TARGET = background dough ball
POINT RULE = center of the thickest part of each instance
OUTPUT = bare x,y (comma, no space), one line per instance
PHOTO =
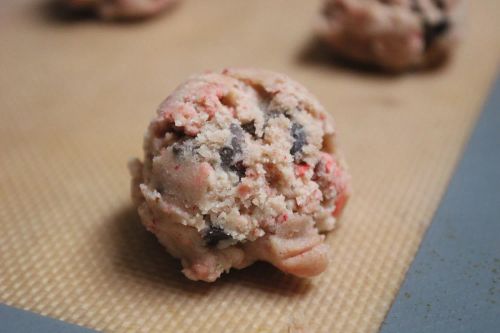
121,9
393,34
241,166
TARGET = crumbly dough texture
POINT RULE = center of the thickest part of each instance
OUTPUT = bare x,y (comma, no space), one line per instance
395,35
121,9
241,166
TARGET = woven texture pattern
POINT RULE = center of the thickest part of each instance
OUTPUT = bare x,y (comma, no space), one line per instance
76,97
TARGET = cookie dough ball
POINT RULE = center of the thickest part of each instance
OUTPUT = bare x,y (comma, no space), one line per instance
241,166
120,9
395,35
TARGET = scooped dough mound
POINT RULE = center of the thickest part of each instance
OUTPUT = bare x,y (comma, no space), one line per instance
395,35
241,166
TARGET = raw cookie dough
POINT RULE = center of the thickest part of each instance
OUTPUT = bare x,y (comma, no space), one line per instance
241,166
121,9
395,35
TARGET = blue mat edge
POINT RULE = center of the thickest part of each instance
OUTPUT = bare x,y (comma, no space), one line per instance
453,284
22,321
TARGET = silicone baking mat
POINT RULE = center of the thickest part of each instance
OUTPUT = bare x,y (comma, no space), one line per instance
452,285
75,98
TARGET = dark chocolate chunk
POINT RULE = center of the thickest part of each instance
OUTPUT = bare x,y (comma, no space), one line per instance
299,138
239,168
237,139
236,144
440,4
179,131
433,31
275,113
177,149
184,148
415,6
213,235
226,156
236,130
230,156
249,128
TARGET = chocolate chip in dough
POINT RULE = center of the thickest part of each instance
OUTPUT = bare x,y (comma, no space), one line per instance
433,31
213,235
226,156
299,138
440,4
249,128
239,168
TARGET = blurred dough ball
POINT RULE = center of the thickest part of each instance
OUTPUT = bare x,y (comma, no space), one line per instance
121,9
394,35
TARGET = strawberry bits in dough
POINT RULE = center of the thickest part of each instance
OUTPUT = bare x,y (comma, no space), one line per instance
238,167
393,34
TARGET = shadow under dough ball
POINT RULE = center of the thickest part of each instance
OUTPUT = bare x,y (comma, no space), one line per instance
395,35
241,166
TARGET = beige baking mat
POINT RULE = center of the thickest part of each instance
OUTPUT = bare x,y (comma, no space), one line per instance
75,98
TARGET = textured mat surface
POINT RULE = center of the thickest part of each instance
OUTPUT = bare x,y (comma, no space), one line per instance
75,97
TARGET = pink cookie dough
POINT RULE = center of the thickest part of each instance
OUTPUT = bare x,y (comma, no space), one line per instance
241,166
121,9
394,35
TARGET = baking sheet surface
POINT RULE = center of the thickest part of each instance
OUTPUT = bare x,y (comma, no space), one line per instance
75,98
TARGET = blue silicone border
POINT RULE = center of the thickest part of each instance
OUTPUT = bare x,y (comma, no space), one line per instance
453,285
